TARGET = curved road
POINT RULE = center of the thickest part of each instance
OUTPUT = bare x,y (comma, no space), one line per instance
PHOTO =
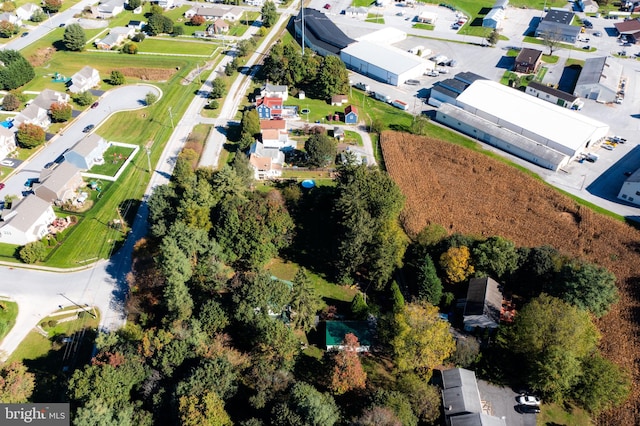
103,285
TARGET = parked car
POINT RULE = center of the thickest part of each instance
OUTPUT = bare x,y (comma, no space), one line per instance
597,34
608,147
24,34
400,14
327,6
88,128
1,185
627,174
587,47
527,409
432,73
412,82
95,104
617,139
528,400
62,25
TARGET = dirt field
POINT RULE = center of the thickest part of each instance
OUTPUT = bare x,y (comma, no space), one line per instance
470,193
148,74
42,56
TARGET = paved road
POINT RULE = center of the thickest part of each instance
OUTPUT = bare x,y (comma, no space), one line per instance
124,98
103,284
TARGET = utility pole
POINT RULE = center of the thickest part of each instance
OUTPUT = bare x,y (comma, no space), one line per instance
302,25
147,148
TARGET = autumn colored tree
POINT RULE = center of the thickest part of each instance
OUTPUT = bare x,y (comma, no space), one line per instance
197,20
203,409
455,263
422,339
52,5
30,135
7,29
16,383
348,373
60,112
10,102
377,416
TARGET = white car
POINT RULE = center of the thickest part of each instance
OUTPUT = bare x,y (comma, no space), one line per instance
528,400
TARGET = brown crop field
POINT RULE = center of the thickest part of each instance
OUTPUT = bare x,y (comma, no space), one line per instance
471,193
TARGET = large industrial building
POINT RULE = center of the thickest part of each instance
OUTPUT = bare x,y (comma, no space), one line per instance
599,79
525,126
630,190
384,63
320,33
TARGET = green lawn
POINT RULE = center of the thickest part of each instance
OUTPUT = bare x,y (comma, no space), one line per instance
420,26
352,138
114,158
8,314
287,270
36,346
550,59
362,3
553,414
177,46
375,18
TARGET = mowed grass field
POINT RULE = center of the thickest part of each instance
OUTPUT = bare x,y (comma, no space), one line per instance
177,46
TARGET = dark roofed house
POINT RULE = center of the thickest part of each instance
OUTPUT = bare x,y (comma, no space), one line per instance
630,28
484,304
528,61
321,34
337,330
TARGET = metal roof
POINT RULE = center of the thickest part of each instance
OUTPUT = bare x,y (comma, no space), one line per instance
552,91
460,394
452,84
559,16
476,419
542,120
468,77
322,29
603,70
483,298
389,58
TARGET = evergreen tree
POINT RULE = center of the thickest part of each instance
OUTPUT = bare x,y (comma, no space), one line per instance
74,38
429,284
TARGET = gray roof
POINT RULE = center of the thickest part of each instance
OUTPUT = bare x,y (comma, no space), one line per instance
27,211
445,91
476,419
86,145
452,84
275,87
501,4
389,58
468,77
552,91
601,70
456,377
86,72
559,16
56,179
48,97
322,31
543,152
484,297
551,27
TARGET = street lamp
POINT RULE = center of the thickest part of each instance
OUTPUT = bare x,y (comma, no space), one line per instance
171,116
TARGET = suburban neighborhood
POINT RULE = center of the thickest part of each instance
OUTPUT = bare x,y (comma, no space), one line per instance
325,212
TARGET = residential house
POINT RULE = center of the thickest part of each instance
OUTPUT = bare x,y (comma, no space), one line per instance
7,142
87,152
556,25
266,162
37,112
338,133
269,107
218,27
275,135
232,14
528,61
166,4
84,80
588,6
483,306
109,9
354,153
630,29
58,184
26,11
339,100
27,221
136,25
599,79
553,95
351,115
630,190
12,18
116,36
275,91
337,330
357,12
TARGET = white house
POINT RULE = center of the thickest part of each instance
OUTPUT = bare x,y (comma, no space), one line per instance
33,114
110,9
58,184
212,13
166,4
26,11
27,221
7,142
48,97
266,162
87,152
116,36
11,18
84,80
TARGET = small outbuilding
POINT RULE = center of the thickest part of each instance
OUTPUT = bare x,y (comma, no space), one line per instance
351,115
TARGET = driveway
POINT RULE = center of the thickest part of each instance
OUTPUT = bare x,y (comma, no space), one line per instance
501,402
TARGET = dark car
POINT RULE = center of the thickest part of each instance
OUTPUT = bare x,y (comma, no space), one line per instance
1,185
95,104
88,128
62,25
24,34
527,409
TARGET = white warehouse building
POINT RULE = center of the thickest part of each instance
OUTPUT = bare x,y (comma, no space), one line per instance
525,126
384,63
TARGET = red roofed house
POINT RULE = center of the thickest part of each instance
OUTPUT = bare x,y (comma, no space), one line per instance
269,108
351,115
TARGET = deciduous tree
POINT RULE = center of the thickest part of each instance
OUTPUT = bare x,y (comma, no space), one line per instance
130,48
348,373
16,383
84,98
422,339
269,14
321,150
456,264
306,405
52,6
197,20
496,257
602,384
134,4
158,23
203,409
60,112
218,88
7,29
10,102
30,135
150,98
333,78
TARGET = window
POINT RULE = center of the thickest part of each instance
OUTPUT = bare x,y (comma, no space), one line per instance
637,192
624,195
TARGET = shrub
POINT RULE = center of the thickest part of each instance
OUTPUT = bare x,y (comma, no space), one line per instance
52,323
116,78
33,252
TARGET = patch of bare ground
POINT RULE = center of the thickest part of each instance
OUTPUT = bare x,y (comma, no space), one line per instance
41,56
148,74
470,193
